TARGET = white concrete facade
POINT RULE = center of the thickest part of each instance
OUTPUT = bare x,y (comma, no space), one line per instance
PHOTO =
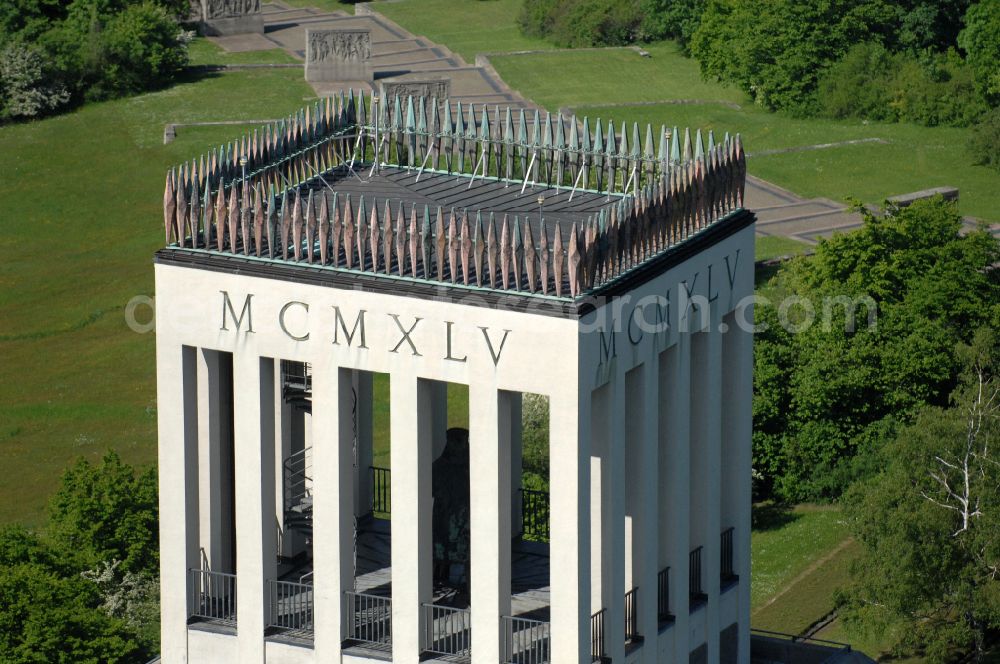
650,424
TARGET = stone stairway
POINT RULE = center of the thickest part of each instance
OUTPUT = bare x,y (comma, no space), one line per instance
396,53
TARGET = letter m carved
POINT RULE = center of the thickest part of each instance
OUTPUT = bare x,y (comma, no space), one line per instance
228,310
341,324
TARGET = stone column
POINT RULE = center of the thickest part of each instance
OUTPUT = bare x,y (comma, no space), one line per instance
613,528
706,412
644,393
674,490
608,511
411,402
489,507
256,559
362,384
333,513
177,424
736,480
569,548
210,459
516,462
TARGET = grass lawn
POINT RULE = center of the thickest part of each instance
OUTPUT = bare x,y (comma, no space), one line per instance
204,52
786,542
325,5
80,218
914,158
776,246
467,27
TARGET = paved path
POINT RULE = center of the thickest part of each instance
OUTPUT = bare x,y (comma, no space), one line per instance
398,53
395,52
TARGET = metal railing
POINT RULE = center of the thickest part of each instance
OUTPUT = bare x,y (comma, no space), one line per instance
212,596
291,607
535,515
694,576
525,641
632,615
726,571
381,495
447,631
663,596
597,649
298,478
369,618
296,375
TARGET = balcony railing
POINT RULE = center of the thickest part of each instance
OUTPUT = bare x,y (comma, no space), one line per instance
381,502
447,631
369,619
291,607
535,515
632,615
695,587
598,651
212,596
726,571
663,613
526,641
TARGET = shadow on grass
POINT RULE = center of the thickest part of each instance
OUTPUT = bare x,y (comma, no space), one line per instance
771,516
763,273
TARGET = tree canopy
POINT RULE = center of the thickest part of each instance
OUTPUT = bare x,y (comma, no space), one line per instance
828,395
929,522
84,589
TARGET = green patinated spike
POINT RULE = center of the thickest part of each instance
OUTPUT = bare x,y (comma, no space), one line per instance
536,129
727,139
460,135
517,255
648,148
383,113
699,145
422,116
687,144
206,215
598,138
675,145
664,152
522,128
397,114
560,132
470,128
411,138
636,144
352,106
623,142
711,140
508,126
449,125
362,109
547,131
609,141
574,134
585,145
411,118
484,125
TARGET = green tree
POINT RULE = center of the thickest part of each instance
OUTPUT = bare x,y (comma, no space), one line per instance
775,50
49,612
930,523
26,89
828,396
108,512
981,42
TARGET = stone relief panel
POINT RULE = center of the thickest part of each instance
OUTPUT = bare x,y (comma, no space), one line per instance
338,55
339,46
428,89
215,9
